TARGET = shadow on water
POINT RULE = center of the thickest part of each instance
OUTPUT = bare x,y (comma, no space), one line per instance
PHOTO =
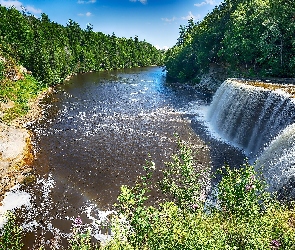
97,132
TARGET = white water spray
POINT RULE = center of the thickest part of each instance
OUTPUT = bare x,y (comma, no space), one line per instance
259,121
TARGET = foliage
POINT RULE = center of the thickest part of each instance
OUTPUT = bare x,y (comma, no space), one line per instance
241,192
246,38
11,234
1,70
18,92
244,216
81,240
131,205
52,51
182,180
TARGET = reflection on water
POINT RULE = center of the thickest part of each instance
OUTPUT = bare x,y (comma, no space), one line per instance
96,134
100,129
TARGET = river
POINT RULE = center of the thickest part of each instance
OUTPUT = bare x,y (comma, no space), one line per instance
96,133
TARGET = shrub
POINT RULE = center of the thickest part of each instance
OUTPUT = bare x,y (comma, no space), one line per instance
1,70
244,217
242,193
11,234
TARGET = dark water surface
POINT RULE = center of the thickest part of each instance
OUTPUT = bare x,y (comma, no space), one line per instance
100,128
96,134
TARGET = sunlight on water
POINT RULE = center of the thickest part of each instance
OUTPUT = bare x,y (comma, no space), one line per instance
95,135
37,212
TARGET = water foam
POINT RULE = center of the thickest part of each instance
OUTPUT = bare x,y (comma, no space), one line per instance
259,121
278,159
33,210
248,116
13,199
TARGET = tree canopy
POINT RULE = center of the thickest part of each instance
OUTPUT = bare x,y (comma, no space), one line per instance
52,51
245,37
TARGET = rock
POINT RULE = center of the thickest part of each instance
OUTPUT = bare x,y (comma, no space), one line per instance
16,150
15,154
8,105
211,81
12,142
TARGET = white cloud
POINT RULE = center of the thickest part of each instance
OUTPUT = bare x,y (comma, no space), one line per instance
207,2
191,16
19,6
85,14
89,1
142,1
33,10
188,17
169,20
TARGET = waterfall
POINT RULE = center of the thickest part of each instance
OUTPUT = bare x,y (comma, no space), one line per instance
260,121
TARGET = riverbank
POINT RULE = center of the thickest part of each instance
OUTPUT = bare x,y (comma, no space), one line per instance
16,149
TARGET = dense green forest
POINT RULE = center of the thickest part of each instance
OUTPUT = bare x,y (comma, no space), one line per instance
36,53
52,51
249,38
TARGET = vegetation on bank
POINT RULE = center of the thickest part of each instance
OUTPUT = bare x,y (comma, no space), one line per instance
242,214
49,52
244,38
52,51
17,88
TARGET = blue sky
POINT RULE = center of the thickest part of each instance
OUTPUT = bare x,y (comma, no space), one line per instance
156,21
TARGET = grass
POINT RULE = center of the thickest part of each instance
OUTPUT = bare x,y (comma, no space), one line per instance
17,92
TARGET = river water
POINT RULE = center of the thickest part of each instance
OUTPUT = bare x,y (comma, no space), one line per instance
96,133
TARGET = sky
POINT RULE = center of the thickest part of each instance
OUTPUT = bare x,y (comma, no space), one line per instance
155,21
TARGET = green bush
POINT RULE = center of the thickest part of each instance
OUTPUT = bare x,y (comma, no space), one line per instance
10,236
244,216
242,193
1,70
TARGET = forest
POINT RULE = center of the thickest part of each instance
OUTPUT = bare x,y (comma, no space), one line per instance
36,53
245,38
52,51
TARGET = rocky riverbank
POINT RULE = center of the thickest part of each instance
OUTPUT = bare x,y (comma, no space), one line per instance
16,150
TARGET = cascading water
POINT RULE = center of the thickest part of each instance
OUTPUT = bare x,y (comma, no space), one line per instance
260,121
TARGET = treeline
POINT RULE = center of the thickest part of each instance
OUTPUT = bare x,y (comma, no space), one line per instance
250,38
52,51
